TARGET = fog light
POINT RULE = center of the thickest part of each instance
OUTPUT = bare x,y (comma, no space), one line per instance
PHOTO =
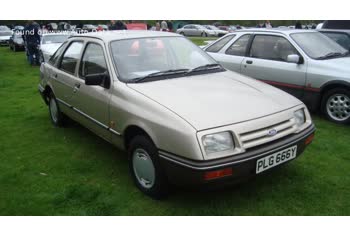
309,139
218,174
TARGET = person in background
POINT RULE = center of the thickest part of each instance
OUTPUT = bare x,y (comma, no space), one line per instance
32,41
120,25
164,26
170,25
157,26
298,25
112,26
267,24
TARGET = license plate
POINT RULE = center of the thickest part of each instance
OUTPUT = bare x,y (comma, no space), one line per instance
275,159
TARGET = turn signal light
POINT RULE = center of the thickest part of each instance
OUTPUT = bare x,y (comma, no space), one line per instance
309,139
218,174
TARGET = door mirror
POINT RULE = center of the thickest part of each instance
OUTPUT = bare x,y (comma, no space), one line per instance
294,58
97,79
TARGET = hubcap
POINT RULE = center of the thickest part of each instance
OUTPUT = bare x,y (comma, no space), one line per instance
143,168
53,109
338,107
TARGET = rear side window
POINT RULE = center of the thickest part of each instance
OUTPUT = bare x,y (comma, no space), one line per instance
271,48
341,38
71,57
54,58
220,44
239,47
93,61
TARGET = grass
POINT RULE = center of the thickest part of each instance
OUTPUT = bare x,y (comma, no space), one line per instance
201,40
69,171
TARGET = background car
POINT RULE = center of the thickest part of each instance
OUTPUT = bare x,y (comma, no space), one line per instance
5,34
305,63
228,28
219,32
195,30
342,37
102,27
49,43
16,42
89,28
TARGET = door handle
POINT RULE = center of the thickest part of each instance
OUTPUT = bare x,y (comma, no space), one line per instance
76,87
249,62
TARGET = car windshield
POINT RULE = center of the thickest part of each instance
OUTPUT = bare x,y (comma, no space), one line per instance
318,46
54,39
142,57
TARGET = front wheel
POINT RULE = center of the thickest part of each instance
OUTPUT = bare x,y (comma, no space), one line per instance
145,167
204,34
336,105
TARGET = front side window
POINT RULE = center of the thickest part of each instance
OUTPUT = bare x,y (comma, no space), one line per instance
318,46
93,61
71,57
220,44
239,47
271,47
135,58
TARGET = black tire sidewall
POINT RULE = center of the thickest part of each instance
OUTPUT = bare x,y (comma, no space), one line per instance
325,98
160,187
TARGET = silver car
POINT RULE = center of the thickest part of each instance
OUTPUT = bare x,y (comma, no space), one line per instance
304,63
49,43
181,117
196,30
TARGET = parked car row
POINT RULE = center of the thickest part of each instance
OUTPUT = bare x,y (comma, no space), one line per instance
201,30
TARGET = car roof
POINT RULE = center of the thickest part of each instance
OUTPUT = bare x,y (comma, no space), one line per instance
334,30
285,31
108,36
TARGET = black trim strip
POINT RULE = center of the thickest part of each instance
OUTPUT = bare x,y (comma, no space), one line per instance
90,118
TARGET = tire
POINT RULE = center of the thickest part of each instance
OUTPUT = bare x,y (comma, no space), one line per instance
204,34
182,33
336,105
56,116
143,155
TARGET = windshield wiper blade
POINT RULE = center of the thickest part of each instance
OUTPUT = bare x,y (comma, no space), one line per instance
160,73
330,55
205,67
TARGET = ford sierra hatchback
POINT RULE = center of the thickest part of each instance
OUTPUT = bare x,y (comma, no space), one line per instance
182,118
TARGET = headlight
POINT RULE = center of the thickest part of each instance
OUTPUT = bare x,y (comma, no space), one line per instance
218,142
299,117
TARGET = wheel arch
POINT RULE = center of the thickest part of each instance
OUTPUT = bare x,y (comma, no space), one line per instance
132,131
333,84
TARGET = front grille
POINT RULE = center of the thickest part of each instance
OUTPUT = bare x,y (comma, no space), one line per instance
261,136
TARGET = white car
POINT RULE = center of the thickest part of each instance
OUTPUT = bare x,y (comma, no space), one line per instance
5,34
49,43
218,31
196,30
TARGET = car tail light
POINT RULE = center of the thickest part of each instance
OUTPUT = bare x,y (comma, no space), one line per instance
309,139
218,174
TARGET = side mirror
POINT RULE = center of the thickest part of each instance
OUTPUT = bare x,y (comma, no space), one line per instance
294,58
97,79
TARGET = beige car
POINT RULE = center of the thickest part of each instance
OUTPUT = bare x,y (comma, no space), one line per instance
182,118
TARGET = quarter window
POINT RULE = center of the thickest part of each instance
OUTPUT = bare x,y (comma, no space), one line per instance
70,57
239,47
271,48
220,44
93,61
54,59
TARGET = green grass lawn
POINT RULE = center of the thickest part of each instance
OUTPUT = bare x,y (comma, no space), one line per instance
69,171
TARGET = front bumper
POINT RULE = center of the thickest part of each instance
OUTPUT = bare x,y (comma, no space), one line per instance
187,172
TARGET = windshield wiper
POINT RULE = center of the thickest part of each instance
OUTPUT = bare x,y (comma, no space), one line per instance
205,67
331,55
160,73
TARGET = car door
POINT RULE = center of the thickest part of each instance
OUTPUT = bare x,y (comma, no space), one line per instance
267,61
232,55
92,102
64,75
